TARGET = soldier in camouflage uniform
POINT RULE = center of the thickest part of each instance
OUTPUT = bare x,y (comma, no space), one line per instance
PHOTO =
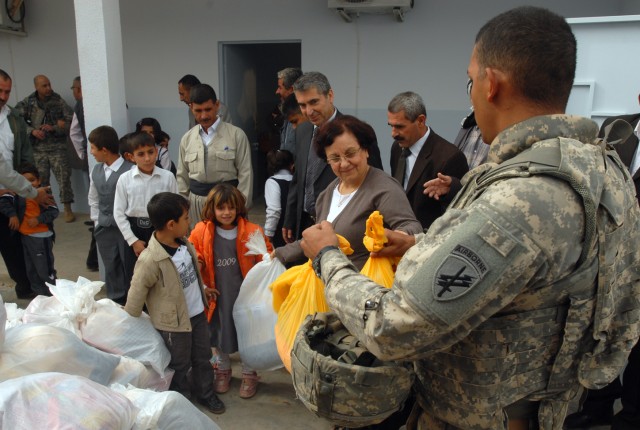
499,303
48,119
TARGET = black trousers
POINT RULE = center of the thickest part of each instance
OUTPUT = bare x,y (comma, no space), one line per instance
13,256
191,350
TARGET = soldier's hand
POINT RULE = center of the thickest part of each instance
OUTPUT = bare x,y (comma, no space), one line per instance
317,237
438,186
398,242
60,123
44,197
38,134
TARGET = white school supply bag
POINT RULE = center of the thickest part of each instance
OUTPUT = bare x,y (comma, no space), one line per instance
253,311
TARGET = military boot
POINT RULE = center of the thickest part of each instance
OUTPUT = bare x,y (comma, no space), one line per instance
68,213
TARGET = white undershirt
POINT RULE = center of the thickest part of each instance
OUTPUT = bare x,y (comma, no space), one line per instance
635,161
7,141
189,278
338,203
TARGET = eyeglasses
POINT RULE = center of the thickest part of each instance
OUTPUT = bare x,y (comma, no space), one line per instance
347,156
469,86
73,88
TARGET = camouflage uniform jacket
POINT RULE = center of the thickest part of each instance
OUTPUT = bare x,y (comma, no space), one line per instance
478,303
22,151
36,112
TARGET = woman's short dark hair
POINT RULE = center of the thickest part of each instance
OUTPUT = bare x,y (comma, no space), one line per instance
153,123
327,133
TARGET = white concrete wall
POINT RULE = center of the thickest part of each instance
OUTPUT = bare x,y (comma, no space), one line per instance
367,61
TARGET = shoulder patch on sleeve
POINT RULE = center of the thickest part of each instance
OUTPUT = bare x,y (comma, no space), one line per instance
462,270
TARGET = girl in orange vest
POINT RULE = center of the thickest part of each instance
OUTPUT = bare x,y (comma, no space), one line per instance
220,242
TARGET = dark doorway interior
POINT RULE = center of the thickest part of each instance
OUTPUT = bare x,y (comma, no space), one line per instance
248,74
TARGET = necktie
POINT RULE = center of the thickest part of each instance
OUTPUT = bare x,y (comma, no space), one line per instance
314,167
402,166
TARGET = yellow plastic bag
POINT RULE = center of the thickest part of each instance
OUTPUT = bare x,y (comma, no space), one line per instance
380,269
298,292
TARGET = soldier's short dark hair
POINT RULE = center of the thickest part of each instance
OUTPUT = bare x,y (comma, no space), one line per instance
536,48
189,81
105,137
201,93
29,168
139,140
165,207
289,76
4,75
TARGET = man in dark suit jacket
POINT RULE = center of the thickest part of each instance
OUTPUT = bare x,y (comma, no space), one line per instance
597,409
312,174
418,154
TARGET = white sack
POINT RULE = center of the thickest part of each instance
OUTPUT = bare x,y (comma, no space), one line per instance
253,311
14,315
34,348
130,371
60,401
165,411
111,329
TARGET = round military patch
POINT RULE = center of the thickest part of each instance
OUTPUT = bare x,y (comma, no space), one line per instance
458,274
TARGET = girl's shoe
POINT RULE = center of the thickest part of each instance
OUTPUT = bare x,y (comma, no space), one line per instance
249,385
223,379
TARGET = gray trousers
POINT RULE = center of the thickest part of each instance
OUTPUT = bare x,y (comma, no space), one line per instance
191,350
38,260
112,248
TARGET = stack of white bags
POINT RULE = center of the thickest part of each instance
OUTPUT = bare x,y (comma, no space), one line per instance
69,361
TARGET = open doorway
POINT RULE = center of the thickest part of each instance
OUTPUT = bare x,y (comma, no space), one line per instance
248,81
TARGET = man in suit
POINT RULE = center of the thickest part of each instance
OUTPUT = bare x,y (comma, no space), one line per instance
597,409
312,175
418,154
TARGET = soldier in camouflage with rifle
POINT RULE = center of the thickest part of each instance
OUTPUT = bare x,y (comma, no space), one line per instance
48,119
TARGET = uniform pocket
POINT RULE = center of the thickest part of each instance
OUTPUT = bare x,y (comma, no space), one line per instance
225,161
191,160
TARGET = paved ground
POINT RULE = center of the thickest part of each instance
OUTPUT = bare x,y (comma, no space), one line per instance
275,405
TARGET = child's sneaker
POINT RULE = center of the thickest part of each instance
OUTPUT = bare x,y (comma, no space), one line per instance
223,379
249,385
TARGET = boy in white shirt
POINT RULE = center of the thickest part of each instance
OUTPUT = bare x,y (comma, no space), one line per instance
134,190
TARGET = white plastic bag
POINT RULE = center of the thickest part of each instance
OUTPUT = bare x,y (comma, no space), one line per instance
165,411
110,328
71,304
253,311
60,401
50,311
132,372
35,348
14,315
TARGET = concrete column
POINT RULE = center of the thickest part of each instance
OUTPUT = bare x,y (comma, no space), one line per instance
99,40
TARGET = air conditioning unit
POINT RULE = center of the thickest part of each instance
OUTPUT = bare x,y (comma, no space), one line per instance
348,9
12,17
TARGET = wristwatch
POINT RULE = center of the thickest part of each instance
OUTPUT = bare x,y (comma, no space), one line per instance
316,261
